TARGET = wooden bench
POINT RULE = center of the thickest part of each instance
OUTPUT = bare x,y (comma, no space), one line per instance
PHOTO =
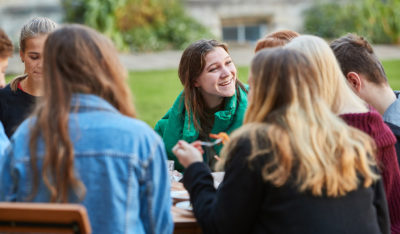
43,218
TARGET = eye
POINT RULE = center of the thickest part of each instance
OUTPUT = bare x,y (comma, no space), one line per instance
33,57
228,62
213,69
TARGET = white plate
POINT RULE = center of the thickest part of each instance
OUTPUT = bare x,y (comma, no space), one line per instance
183,195
218,178
184,205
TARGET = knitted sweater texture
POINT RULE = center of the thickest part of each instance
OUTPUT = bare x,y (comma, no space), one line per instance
372,124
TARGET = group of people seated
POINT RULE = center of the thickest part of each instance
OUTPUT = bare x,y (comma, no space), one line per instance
312,144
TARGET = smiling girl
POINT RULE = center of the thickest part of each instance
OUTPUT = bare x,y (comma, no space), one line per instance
213,99
18,98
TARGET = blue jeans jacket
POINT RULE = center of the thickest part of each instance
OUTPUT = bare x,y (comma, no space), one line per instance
120,160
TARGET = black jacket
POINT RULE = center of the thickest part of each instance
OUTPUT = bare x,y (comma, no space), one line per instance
244,203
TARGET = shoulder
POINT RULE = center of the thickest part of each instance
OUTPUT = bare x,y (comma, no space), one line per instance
6,91
174,114
248,140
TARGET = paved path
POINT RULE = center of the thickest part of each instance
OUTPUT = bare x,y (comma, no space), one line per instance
170,59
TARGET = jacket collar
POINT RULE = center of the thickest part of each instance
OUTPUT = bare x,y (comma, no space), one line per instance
90,101
223,119
392,113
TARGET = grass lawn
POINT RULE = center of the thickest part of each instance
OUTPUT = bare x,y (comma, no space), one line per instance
156,91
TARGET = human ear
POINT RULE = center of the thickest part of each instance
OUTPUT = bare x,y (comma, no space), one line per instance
354,81
196,84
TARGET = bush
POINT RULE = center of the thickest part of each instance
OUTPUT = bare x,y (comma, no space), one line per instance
138,25
375,19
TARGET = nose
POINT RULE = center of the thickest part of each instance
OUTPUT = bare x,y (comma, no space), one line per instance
225,72
40,63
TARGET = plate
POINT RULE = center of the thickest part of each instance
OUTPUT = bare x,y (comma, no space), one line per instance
181,194
184,205
218,178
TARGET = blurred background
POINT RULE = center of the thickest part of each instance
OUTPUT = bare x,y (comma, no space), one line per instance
151,34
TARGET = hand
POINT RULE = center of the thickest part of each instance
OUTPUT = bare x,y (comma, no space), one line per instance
186,153
197,145
2,80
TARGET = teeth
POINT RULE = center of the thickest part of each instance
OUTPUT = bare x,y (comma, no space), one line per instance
226,83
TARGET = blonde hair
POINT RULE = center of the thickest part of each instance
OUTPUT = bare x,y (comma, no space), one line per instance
35,27
331,83
307,141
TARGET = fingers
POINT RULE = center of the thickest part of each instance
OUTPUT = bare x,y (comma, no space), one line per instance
197,145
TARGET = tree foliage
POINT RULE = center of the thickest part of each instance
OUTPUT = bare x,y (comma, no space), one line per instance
378,20
138,25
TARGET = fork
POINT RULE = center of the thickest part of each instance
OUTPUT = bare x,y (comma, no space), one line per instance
209,144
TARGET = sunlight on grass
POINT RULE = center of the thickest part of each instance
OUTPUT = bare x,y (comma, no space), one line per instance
155,91
392,69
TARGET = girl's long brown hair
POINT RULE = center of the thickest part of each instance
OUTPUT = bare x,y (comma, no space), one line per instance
308,142
77,59
190,67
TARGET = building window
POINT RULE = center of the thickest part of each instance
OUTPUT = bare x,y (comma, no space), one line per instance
244,29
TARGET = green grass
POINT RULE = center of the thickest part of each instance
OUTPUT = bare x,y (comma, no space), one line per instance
392,69
155,91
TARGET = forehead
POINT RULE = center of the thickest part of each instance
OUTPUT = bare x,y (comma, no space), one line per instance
216,55
35,44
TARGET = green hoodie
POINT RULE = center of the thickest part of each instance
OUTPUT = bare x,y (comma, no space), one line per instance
174,125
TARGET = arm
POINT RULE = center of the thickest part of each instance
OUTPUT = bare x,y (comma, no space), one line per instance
235,206
8,179
381,207
160,201
160,125
4,141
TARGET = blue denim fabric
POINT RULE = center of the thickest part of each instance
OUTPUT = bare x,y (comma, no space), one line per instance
120,160
4,141
391,114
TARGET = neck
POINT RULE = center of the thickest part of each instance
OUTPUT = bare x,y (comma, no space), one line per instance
381,97
32,87
212,101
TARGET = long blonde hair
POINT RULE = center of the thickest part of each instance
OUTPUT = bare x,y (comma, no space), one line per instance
307,141
331,83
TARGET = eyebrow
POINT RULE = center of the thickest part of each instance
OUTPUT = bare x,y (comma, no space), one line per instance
32,52
227,57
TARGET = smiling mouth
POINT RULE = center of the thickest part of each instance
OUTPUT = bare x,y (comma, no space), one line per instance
228,82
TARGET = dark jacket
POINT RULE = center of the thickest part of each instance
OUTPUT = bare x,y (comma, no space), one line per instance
244,203
15,107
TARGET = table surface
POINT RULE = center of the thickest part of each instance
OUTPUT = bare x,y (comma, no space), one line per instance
184,220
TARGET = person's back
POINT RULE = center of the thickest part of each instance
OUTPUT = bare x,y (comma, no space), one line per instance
285,209
84,145
120,161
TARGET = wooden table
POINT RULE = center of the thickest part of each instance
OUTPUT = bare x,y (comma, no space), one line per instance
184,220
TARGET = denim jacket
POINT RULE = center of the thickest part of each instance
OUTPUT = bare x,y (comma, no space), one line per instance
120,160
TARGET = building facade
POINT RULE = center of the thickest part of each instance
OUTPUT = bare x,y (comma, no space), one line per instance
245,21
